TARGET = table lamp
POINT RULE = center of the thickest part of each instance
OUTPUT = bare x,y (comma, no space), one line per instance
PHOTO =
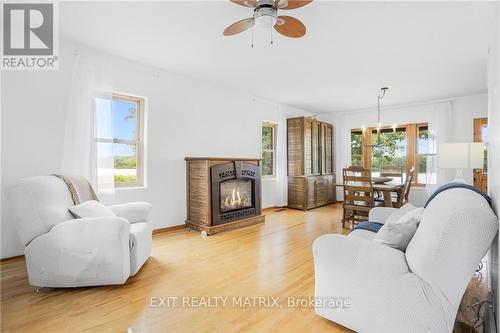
461,156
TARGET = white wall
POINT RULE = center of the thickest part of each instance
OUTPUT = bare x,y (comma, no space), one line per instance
464,110
185,117
494,149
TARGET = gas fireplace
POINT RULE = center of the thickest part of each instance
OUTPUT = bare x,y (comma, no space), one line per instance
235,191
222,193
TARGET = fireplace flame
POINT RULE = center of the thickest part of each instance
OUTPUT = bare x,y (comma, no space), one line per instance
234,200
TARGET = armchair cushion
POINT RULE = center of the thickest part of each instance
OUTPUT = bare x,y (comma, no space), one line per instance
89,209
80,252
399,213
37,204
396,235
380,214
134,212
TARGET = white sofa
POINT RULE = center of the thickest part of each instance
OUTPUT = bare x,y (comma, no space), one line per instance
416,291
62,251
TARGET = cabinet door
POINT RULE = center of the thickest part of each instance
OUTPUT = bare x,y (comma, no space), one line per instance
308,146
296,192
326,149
316,148
322,191
295,148
311,192
323,148
332,190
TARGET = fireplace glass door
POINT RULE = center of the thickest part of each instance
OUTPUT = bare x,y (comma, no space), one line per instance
235,194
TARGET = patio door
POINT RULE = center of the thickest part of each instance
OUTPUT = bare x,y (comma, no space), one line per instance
481,135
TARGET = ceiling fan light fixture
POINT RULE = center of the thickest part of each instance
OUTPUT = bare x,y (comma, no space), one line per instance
265,18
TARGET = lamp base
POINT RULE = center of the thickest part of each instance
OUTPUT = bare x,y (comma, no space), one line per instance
459,177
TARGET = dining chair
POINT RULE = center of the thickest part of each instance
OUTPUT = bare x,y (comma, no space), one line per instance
403,198
392,171
359,198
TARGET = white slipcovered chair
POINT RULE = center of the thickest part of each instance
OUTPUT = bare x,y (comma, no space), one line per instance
62,251
416,291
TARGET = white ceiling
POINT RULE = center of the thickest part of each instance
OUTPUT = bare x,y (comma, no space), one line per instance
422,50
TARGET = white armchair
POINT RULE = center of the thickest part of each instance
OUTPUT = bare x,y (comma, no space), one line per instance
416,291
62,251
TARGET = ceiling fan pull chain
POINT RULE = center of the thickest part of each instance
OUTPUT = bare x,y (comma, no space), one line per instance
253,23
272,41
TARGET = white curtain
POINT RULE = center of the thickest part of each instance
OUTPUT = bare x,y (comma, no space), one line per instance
281,160
89,116
440,131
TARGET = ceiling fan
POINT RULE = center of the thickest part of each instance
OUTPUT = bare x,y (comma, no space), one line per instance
265,14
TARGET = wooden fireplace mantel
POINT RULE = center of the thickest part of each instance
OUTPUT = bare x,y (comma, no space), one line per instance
199,194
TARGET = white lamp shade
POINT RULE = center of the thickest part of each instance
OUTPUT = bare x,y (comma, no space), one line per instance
476,155
461,155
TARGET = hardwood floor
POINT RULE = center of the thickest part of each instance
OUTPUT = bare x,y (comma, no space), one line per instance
271,259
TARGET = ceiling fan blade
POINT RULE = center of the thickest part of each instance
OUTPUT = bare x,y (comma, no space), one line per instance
290,27
238,27
280,3
246,3
292,4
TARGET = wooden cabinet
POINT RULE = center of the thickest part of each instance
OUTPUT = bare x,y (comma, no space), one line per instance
311,180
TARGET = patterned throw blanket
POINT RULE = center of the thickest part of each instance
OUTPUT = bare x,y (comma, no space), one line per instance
79,188
370,226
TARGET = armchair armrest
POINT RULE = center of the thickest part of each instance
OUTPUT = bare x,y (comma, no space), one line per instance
336,252
380,214
134,212
81,252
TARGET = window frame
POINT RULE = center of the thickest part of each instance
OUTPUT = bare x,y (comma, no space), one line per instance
274,128
418,126
411,146
138,142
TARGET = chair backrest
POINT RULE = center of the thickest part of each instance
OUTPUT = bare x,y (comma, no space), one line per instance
37,204
391,171
358,188
455,232
403,199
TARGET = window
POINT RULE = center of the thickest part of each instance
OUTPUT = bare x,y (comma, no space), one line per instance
392,151
269,149
356,148
119,137
484,139
389,153
422,154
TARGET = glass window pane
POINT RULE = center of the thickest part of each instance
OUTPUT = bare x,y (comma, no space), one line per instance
267,137
124,119
267,163
423,151
389,154
103,118
356,148
104,164
125,163
484,138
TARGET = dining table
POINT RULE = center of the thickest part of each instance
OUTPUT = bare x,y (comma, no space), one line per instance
387,189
